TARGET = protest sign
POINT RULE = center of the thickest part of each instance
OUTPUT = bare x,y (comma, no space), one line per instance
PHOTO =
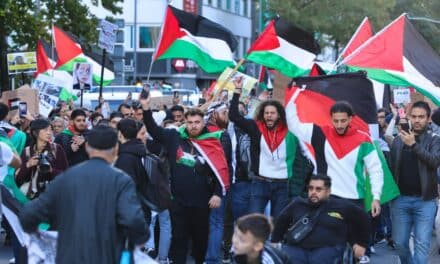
248,83
24,94
49,89
22,62
107,36
401,96
82,76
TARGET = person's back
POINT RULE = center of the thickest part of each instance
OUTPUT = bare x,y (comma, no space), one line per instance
92,206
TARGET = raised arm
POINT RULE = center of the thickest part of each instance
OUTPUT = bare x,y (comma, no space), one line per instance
303,131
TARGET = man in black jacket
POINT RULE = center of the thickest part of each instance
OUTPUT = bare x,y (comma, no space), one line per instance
130,155
333,217
199,179
72,139
415,157
92,206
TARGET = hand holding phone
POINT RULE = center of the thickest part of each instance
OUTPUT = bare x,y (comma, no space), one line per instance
22,106
405,127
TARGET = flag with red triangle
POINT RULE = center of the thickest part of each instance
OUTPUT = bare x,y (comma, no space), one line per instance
43,61
316,70
362,34
285,48
399,55
188,36
342,158
70,52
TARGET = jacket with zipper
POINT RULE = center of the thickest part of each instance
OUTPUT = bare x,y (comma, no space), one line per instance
427,150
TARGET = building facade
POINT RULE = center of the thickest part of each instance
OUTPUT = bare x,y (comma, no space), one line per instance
142,26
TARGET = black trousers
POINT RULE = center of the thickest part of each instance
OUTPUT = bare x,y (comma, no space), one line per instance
189,223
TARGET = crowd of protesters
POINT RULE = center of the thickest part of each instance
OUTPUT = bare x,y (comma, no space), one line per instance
195,182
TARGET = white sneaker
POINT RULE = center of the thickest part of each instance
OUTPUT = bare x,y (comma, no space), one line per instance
12,261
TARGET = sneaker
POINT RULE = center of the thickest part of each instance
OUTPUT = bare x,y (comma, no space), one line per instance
165,261
12,261
372,250
391,244
149,251
364,260
383,240
226,257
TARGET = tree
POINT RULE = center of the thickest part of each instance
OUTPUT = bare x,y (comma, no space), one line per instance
424,9
23,22
335,21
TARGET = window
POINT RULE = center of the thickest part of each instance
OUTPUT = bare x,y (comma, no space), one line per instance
245,46
148,37
228,5
209,2
237,6
128,37
219,4
245,7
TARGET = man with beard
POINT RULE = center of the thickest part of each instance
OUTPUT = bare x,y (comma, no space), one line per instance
217,115
72,139
199,179
332,218
415,157
274,152
342,152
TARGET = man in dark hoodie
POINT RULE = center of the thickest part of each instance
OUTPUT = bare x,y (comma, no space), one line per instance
199,178
130,155
72,139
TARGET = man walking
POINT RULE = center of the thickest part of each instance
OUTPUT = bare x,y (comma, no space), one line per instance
415,157
91,205
199,179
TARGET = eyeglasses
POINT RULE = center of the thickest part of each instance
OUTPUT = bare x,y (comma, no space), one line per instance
318,189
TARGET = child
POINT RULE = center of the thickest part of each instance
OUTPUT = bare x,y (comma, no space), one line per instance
248,241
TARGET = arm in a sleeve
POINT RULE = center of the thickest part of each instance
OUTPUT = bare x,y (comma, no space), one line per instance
247,125
374,168
429,157
283,222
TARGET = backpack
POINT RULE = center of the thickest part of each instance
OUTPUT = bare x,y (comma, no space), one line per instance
158,193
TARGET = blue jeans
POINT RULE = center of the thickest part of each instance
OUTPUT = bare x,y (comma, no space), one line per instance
324,255
412,214
216,219
164,236
240,199
264,191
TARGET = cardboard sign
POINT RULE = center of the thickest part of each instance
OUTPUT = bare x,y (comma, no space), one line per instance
107,36
24,94
22,62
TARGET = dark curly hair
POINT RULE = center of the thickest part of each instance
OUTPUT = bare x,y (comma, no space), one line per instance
259,114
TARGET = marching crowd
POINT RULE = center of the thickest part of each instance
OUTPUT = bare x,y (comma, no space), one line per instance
219,185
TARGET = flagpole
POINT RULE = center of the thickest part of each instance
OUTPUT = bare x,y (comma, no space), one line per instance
52,50
159,39
349,42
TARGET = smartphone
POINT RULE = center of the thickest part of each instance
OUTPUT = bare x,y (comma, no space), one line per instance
145,92
22,108
405,127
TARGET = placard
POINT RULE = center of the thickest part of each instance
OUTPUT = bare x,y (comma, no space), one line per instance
248,83
82,76
401,96
107,36
22,62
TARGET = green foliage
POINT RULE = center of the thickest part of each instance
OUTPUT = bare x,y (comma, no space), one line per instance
23,22
337,19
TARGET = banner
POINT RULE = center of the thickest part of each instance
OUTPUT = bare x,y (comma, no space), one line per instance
107,36
22,62
24,94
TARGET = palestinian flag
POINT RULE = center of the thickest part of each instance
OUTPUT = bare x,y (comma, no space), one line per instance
208,145
43,62
70,52
285,48
360,36
342,158
265,78
316,70
188,36
399,55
